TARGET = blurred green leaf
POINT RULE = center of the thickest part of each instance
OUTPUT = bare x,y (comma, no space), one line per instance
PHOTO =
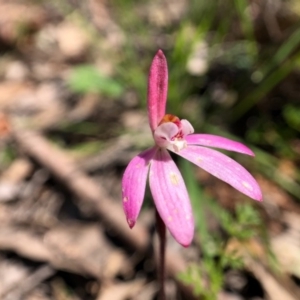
84,128
7,156
242,7
262,89
291,114
284,51
87,148
87,79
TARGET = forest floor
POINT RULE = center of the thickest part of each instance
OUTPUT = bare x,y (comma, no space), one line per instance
66,136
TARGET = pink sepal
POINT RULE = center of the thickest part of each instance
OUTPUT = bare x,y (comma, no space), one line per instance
171,198
216,141
134,184
157,89
224,168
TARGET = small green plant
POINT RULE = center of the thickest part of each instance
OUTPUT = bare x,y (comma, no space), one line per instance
243,225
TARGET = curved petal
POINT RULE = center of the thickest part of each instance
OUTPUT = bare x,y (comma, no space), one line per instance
134,184
157,89
171,197
224,168
210,140
187,127
164,133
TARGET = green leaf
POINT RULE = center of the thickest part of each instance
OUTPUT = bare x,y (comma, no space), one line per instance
87,79
291,115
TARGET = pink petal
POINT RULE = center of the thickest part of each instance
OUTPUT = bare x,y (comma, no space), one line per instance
164,133
171,197
134,183
224,168
187,127
216,141
157,89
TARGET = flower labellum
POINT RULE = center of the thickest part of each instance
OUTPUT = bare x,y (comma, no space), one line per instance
166,183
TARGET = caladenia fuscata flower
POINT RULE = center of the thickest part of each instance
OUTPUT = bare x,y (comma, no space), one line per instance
166,183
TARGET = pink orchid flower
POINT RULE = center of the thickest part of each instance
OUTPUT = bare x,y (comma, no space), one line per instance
166,183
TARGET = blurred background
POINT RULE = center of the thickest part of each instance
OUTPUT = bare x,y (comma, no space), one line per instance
73,82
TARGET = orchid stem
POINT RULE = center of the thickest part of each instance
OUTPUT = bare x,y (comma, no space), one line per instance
161,230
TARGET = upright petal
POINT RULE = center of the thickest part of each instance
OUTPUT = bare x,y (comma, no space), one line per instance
157,89
171,197
216,141
134,184
187,127
224,168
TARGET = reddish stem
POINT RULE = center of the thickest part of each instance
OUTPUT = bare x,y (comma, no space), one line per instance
161,230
